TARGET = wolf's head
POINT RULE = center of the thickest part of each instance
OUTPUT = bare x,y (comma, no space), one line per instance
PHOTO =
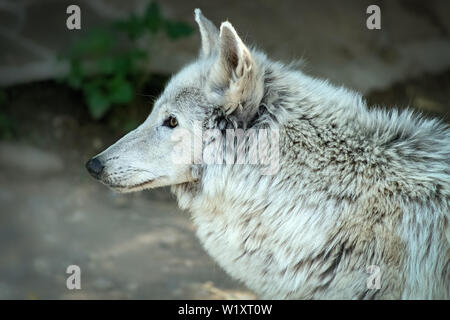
224,84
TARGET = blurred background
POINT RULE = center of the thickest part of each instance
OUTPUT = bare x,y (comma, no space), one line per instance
65,95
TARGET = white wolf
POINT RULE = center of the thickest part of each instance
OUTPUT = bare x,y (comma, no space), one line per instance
357,190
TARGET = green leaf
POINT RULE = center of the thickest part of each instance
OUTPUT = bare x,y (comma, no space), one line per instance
130,124
177,29
133,26
123,65
152,18
137,54
96,42
120,90
133,60
76,74
6,127
93,84
3,97
98,104
128,62
116,62
107,65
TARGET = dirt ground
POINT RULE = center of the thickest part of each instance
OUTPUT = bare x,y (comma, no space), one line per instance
138,246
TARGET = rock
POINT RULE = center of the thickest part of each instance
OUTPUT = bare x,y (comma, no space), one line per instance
7,291
41,266
413,38
102,284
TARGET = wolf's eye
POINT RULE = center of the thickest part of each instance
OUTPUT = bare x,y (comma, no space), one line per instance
170,122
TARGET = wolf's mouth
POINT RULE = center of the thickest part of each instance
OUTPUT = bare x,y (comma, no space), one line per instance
121,187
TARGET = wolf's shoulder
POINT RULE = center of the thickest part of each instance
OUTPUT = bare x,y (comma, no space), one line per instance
331,129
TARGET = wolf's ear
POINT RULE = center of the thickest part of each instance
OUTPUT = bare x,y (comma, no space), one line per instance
208,32
236,72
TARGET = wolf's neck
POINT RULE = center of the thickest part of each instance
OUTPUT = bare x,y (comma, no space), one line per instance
291,94
304,109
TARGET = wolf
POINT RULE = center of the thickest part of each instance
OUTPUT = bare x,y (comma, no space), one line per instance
358,208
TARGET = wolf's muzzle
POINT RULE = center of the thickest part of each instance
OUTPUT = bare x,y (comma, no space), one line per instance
95,167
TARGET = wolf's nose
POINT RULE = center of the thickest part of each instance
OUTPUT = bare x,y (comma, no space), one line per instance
95,167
